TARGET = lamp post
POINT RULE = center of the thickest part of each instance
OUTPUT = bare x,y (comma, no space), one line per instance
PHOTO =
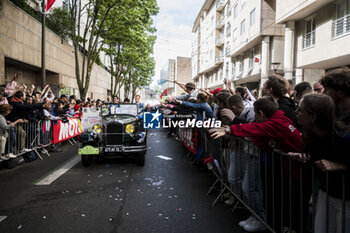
274,66
43,70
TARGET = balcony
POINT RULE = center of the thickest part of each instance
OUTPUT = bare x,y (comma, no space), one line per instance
220,23
227,51
309,40
341,27
219,59
220,4
219,41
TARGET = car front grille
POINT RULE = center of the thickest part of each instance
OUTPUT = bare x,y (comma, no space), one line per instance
114,132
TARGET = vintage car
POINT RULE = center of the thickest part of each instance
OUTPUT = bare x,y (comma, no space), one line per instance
118,133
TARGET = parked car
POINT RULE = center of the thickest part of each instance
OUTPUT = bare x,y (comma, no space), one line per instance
119,133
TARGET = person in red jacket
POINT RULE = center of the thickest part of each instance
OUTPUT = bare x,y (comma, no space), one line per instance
273,130
272,127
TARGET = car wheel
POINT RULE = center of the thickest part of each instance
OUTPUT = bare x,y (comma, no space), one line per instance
86,160
140,159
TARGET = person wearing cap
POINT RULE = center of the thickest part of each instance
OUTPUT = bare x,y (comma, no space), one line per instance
190,89
3,96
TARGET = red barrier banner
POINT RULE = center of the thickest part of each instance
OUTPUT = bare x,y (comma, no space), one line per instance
64,131
189,138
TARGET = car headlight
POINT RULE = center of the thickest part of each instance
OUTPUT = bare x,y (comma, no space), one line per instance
97,128
129,128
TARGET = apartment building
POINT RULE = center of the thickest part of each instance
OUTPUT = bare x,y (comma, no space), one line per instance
238,40
179,70
168,73
317,36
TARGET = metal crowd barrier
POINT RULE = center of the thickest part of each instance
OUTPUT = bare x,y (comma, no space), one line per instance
27,137
279,191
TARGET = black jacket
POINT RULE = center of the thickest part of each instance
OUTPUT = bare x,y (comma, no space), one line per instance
21,110
288,106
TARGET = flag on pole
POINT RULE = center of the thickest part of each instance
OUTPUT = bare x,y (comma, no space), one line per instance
49,4
161,81
165,93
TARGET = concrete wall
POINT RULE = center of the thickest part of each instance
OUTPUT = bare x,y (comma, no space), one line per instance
296,9
20,40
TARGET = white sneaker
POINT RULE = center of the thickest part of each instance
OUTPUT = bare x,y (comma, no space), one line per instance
254,225
11,156
230,201
26,150
245,222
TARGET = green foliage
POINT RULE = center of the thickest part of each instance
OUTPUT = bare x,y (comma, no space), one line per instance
25,7
59,22
123,30
130,45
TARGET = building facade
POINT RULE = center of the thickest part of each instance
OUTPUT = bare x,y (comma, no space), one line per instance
20,51
318,37
168,73
179,70
237,40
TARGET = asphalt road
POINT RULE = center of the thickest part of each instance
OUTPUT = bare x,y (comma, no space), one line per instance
164,196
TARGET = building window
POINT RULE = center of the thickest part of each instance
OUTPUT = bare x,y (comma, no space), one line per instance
226,71
241,67
252,17
251,59
228,29
342,23
309,37
235,11
243,5
233,68
234,35
243,27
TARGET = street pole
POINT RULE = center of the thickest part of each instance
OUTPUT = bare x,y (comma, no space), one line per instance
43,72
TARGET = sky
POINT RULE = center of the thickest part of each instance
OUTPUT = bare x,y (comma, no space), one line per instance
174,24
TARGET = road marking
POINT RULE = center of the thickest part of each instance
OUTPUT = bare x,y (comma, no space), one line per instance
164,157
2,218
47,180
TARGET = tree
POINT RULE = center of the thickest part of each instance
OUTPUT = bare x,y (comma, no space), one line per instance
112,26
129,44
87,25
59,22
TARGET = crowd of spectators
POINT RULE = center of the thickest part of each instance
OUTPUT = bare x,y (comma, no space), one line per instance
308,124
20,106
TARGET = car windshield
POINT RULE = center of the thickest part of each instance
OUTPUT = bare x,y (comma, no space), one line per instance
114,109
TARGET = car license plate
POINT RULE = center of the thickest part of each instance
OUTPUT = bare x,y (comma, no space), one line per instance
112,149
88,150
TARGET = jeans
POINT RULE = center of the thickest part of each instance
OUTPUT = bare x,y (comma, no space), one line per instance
11,140
251,185
334,215
235,172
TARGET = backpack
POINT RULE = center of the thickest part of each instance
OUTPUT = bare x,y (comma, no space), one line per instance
30,156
